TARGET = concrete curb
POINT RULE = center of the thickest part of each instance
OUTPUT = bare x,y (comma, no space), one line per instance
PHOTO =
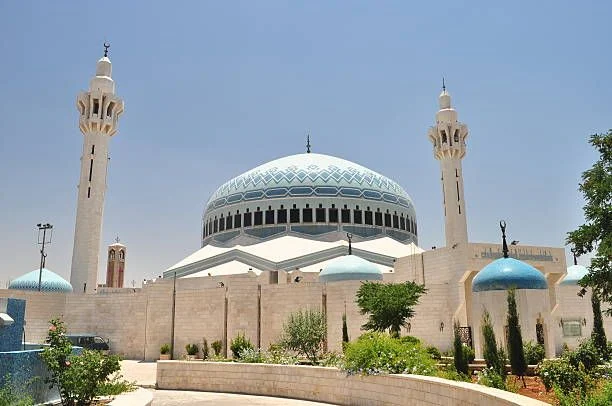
139,397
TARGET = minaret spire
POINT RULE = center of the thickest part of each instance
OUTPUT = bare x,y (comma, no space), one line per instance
99,110
502,225
448,137
349,236
308,143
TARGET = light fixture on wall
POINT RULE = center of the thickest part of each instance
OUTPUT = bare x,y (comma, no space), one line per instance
561,322
441,326
409,327
297,279
584,321
220,284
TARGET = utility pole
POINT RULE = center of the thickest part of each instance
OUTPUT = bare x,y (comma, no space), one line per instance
43,241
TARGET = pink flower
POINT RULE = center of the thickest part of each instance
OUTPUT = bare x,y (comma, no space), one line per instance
67,363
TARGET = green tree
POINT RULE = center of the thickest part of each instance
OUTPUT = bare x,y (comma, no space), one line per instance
598,335
596,233
305,333
80,378
389,305
515,339
461,361
493,356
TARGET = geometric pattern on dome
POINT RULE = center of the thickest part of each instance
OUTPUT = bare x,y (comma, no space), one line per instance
50,282
309,175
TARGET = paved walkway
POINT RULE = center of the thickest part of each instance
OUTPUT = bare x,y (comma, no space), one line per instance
180,398
144,373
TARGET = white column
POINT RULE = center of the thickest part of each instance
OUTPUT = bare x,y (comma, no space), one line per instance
448,139
97,129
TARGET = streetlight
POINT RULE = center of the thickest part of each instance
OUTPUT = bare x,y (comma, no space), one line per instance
42,241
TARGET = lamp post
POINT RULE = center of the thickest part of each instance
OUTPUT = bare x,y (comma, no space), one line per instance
43,241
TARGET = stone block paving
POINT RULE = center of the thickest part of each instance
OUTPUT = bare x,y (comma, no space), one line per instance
180,398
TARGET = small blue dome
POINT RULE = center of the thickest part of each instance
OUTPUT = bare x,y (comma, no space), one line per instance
574,274
50,282
350,268
505,273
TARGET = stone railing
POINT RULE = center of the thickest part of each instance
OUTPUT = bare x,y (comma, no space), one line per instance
328,385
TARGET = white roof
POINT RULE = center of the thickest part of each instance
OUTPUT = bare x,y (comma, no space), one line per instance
228,268
321,265
286,248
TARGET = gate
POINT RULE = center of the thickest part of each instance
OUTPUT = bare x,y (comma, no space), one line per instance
465,334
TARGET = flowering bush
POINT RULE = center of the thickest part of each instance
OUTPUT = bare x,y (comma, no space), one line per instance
563,376
586,354
490,377
377,353
80,378
272,356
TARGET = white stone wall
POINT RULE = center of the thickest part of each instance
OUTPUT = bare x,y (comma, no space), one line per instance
329,385
532,304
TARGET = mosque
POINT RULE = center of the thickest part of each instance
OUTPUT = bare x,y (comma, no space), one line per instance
297,232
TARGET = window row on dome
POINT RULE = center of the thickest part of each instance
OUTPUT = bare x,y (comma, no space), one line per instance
308,214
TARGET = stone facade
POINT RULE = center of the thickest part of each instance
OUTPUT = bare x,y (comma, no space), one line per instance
329,385
139,321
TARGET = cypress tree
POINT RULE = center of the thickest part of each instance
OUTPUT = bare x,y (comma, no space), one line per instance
491,353
598,335
345,336
515,339
461,362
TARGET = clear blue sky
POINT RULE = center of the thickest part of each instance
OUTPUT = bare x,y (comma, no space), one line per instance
213,89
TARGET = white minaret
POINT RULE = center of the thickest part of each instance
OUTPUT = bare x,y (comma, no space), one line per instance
448,138
99,110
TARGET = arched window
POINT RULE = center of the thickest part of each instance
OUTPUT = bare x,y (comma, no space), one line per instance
456,137
111,255
444,140
122,255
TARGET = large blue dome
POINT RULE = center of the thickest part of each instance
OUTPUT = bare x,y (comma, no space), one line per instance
506,273
574,274
350,268
313,196
306,174
50,282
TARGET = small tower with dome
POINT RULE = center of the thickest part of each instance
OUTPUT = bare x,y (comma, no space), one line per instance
490,291
448,139
115,267
99,110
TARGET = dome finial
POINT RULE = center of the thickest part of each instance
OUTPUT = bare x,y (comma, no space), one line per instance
502,225
308,143
575,256
350,239
117,240
443,85
106,46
